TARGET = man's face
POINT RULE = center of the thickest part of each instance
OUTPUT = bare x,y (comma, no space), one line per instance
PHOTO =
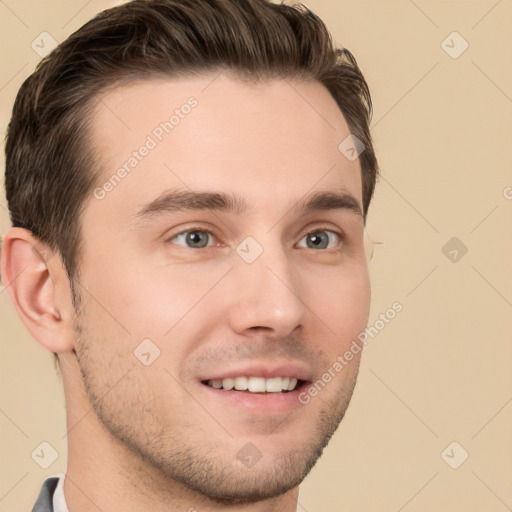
273,291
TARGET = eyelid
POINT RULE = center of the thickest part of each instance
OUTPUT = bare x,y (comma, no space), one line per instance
332,229
338,232
190,229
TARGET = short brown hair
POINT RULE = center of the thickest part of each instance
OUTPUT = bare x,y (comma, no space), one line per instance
50,162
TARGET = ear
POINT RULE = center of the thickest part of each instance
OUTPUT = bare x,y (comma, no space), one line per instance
39,288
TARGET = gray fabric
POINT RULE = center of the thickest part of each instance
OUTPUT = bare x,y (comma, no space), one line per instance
44,501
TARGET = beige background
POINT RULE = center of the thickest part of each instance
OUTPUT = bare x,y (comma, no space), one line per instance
441,370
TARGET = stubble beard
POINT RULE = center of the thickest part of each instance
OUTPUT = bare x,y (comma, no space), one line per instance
200,466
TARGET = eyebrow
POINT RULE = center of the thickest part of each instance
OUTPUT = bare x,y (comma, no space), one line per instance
176,201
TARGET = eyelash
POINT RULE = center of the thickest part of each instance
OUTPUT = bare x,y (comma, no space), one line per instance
340,235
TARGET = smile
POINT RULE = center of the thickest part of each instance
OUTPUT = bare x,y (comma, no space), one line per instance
256,384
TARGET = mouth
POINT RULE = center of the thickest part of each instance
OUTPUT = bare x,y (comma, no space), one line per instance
258,388
257,385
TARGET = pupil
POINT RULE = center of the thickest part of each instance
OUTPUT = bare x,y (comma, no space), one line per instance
195,237
317,239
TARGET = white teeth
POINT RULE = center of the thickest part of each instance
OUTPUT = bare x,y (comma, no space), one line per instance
227,384
256,384
274,385
241,383
292,384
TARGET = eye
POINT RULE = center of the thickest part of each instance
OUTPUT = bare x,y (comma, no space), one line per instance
193,238
197,238
319,239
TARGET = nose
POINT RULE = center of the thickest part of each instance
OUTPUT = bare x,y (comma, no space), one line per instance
267,295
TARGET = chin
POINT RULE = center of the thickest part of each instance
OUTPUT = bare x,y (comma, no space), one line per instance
256,484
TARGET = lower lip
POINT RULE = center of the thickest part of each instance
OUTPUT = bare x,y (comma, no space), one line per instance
257,403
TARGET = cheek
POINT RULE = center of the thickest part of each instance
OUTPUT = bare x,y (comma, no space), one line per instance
142,302
172,307
345,304
132,301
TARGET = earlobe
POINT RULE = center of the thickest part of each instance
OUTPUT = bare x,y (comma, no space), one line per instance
28,278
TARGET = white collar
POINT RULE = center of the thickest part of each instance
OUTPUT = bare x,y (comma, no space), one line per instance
59,501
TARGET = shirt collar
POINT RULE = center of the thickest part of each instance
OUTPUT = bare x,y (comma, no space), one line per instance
59,501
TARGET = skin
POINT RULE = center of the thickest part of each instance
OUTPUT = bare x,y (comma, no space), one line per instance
149,437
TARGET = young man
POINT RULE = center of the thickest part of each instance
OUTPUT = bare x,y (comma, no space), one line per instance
188,184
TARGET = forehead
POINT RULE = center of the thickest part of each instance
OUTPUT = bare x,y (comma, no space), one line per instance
259,140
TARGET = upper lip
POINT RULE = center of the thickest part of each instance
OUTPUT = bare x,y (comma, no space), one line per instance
266,370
